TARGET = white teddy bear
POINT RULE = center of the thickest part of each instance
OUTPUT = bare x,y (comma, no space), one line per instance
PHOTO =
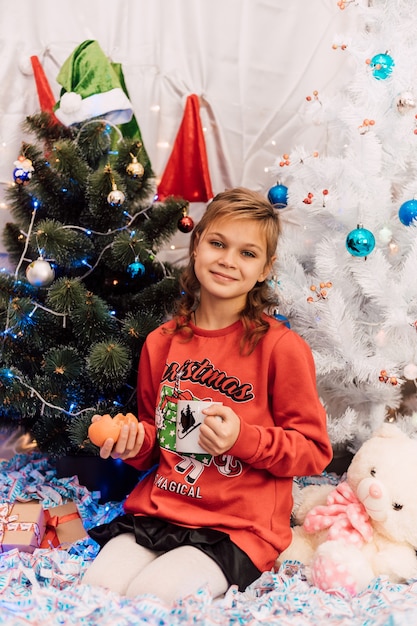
367,525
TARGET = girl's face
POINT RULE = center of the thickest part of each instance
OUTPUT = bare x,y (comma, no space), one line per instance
229,259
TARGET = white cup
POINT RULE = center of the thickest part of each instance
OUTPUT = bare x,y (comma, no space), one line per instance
189,420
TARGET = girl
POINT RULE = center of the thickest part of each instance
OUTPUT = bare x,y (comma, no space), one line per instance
222,517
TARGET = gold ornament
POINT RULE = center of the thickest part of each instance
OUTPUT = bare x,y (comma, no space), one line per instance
135,168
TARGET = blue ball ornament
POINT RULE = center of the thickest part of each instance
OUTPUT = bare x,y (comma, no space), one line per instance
382,66
136,269
6,374
21,176
360,242
282,318
408,213
278,196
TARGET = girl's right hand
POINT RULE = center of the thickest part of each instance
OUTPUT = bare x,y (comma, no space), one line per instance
128,444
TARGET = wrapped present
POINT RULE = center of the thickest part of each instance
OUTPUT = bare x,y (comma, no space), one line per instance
22,526
63,526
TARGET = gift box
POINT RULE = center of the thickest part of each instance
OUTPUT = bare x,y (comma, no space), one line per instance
63,526
22,526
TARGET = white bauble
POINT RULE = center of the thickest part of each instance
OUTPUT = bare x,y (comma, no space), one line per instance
40,273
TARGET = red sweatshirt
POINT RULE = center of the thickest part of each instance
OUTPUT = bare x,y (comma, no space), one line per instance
246,493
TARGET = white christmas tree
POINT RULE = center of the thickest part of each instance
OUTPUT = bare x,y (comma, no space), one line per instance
347,260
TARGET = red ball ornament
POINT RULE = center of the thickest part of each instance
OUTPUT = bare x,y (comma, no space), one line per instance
185,224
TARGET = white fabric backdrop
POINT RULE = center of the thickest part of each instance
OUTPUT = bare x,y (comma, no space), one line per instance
252,62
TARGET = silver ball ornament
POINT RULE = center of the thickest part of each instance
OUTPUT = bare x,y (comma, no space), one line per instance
116,197
40,273
405,102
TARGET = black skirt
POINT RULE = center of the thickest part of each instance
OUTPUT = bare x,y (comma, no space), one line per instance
156,534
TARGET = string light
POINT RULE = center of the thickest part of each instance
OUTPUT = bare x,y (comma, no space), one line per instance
107,126
45,403
14,330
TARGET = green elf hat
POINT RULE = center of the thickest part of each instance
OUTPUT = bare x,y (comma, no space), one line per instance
91,88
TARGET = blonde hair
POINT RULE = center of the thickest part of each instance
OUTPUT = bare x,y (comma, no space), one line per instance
244,204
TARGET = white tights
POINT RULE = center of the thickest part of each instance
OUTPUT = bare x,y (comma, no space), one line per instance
129,569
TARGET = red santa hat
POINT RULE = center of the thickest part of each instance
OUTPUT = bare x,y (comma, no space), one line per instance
187,174
45,95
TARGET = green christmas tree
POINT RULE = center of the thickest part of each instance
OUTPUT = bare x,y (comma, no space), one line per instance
88,285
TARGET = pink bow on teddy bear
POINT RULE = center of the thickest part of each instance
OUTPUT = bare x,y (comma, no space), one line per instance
344,516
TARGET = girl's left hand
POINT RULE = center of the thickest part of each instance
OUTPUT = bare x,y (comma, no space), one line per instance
220,429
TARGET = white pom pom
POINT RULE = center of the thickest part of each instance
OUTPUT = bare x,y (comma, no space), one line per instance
70,102
385,235
410,371
25,65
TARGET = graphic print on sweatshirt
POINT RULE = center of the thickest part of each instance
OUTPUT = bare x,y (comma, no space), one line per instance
191,465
